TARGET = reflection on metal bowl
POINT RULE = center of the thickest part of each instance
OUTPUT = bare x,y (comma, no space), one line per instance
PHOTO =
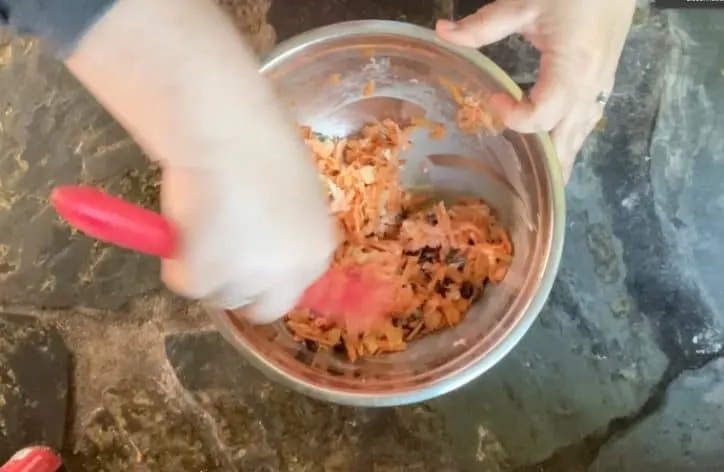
517,175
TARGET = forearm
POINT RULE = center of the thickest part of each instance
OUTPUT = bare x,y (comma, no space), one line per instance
175,73
181,80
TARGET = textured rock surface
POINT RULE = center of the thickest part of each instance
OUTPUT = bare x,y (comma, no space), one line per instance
578,368
260,424
687,156
53,133
34,384
656,179
677,256
138,428
684,436
125,344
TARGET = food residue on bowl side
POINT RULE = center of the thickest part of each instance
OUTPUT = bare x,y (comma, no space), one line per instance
335,79
369,88
473,115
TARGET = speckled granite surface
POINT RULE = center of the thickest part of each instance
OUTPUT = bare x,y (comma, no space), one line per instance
621,372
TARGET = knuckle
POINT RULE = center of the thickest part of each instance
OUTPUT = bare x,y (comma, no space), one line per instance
543,117
524,8
547,121
548,104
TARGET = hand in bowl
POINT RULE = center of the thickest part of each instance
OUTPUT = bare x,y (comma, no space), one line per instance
580,45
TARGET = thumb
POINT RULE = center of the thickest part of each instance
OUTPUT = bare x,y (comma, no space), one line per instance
491,23
546,104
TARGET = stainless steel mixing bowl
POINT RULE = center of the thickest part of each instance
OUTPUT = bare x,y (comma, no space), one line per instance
517,174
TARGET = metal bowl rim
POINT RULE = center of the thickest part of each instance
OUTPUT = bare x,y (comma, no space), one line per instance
496,353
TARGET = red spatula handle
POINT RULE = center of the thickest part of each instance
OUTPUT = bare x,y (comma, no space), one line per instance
124,224
33,459
115,221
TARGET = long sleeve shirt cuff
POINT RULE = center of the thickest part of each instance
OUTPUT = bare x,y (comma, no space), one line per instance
61,24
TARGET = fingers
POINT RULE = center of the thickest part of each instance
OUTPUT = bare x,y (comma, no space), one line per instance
548,99
245,241
491,23
562,101
184,203
580,47
286,291
546,104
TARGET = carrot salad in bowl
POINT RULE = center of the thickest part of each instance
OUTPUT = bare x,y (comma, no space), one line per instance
438,256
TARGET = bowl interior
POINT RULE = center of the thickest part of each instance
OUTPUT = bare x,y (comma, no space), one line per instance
323,82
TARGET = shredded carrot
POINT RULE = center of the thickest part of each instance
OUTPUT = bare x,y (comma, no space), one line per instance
335,79
453,88
369,88
437,130
474,116
439,256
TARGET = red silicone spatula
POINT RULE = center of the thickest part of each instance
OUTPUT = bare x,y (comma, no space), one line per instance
350,294
33,459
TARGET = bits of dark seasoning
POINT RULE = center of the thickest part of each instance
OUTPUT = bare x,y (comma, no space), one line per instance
311,345
440,288
467,290
456,258
451,256
334,371
431,218
429,254
304,356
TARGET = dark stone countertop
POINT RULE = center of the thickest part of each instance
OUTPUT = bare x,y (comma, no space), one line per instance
620,372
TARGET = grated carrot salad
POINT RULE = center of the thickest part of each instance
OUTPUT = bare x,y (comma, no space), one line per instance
439,256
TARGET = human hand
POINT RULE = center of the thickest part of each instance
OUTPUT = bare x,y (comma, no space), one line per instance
580,45
239,185
256,233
